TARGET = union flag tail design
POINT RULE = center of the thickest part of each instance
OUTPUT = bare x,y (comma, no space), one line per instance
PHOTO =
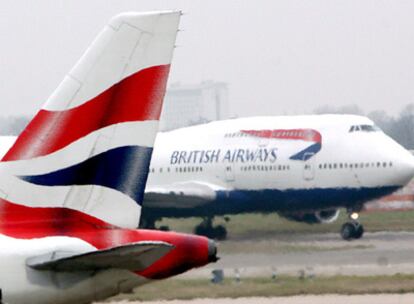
85,155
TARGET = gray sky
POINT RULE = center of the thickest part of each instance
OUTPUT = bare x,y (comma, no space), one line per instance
279,57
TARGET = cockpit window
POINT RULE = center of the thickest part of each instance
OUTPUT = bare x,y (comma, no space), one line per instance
364,128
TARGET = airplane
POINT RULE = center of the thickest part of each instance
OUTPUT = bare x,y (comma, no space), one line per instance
72,184
305,168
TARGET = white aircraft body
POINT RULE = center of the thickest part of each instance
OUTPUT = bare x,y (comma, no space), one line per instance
303,167
71,186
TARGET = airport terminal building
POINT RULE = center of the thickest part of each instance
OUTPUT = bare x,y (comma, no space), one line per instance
187,105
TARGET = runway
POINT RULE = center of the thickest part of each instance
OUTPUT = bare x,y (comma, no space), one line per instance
381,253
325,299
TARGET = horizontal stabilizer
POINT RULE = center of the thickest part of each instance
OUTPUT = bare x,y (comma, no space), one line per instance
133,257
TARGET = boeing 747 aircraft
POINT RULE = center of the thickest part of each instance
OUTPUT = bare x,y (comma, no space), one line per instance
303,167
72,185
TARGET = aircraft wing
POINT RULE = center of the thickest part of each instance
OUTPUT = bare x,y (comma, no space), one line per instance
187,195
133,257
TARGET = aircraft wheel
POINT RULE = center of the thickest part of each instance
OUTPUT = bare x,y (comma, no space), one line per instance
205,230
164,228
220,232
348,231
147,223
201,230
359,231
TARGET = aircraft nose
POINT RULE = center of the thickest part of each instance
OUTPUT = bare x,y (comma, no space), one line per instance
405,166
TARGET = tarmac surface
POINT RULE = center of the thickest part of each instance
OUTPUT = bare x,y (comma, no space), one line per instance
325,299
381,253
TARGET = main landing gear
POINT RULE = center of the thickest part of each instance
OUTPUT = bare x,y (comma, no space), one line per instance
353,229
149,223
206,228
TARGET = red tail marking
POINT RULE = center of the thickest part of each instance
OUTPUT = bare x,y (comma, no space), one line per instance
23,222
136,98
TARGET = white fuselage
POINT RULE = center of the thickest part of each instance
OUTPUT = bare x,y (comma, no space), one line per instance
278,163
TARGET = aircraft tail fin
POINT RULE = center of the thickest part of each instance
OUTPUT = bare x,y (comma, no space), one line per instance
87,151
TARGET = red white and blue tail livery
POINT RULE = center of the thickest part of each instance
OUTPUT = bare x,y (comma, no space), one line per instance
72,185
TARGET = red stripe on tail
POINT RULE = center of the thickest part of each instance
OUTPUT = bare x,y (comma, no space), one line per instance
24,222
135,98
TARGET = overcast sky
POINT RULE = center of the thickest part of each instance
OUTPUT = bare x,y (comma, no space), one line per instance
278,57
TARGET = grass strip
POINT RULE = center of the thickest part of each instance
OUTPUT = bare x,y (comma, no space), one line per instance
268,287
246,226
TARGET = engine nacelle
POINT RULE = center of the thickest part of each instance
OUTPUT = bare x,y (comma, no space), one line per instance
318,217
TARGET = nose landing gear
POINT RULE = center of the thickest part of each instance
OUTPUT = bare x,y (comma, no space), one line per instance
353,229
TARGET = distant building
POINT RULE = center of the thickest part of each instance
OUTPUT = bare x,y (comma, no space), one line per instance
186,105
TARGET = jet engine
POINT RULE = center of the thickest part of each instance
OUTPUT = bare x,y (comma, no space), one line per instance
318,217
